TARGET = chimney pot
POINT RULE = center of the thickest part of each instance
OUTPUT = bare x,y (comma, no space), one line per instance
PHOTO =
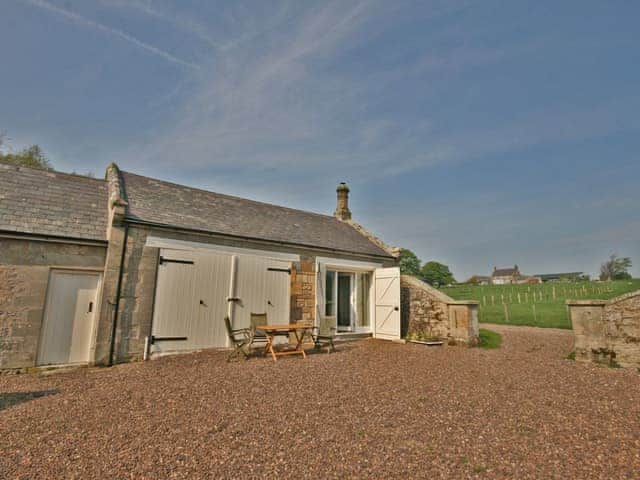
342,209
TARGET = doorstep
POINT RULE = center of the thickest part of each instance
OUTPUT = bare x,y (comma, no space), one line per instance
351,336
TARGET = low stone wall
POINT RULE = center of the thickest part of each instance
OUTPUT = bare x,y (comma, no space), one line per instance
428,313
607,331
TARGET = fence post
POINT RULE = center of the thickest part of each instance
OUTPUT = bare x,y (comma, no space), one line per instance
506,312
535,318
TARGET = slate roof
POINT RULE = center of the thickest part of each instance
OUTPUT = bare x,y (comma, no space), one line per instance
504,272
165,203
52,203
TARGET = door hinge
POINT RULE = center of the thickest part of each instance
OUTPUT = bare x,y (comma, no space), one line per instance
273,269
153,339
173,260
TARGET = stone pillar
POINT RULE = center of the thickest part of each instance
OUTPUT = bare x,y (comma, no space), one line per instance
116,233
303,291
108,297
588,329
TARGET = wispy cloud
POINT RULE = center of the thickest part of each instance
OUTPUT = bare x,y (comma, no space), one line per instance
176,19
113,32
278,108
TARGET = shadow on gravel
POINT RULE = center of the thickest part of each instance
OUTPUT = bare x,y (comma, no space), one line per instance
10,399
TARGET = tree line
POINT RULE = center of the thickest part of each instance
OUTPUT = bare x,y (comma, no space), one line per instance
437,274
434,273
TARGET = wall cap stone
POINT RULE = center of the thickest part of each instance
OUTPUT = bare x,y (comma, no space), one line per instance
117,194
586,303
464,302
618,299
416,282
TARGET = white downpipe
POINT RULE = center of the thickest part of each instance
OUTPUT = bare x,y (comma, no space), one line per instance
232,288
145,355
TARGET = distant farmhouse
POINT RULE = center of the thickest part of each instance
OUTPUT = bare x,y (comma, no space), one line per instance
507,276
510,276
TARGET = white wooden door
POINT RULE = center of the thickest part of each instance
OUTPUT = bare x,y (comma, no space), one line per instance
261,286
191,300
192,294
387,303
68,323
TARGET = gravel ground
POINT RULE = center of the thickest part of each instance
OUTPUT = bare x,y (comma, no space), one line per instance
374,409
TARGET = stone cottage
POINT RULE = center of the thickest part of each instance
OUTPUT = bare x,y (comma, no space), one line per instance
99,271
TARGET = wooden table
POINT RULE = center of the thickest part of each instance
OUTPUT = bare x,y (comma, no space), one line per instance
298,329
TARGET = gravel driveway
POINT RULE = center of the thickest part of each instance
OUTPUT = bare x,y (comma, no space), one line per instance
374,409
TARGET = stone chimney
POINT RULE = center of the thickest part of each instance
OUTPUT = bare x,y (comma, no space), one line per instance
342,209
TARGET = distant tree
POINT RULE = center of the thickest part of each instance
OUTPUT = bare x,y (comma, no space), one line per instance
615,268
436,274
409,262
32,156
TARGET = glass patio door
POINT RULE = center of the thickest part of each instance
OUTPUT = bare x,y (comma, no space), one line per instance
347,300
345,306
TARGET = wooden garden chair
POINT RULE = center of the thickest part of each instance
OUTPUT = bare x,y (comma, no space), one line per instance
324,334
240,339
257,335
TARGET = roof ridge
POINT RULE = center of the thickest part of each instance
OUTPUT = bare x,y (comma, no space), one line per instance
49,171
234,197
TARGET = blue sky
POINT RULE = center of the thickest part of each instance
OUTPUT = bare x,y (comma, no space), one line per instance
476,133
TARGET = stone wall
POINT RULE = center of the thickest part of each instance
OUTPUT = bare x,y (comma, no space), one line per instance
607,332
303,290
24,276
136,297
430,314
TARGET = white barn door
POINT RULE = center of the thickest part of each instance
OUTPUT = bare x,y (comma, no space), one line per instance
193,290
387,303
261,286
191,300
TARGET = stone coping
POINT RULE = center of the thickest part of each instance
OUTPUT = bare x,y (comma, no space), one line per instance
617,299
464,302
593,303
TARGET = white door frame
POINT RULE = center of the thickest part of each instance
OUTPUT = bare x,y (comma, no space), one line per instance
324,264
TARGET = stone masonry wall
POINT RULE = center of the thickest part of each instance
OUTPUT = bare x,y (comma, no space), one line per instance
24,276
303,289
607,331
429,314
136,297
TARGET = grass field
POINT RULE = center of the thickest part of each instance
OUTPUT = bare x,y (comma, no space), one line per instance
536,305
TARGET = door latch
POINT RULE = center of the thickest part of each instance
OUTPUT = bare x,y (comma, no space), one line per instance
90,307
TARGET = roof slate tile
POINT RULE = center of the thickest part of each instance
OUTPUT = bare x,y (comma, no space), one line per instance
165,203
52,203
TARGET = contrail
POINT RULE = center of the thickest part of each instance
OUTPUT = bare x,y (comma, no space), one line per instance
111,31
